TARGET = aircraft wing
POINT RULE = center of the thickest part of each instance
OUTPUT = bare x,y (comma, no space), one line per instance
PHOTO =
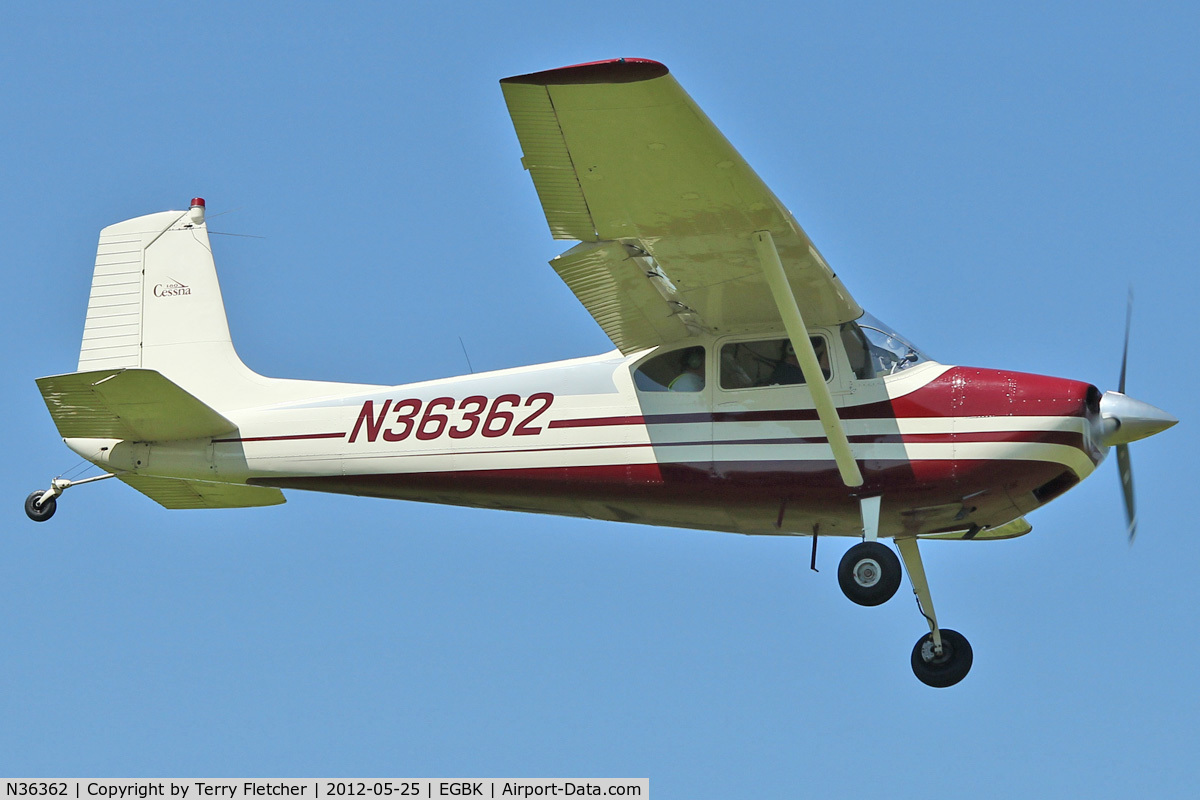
624,161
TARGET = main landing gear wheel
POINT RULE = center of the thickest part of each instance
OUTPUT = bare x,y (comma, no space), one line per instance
869,573
947,669
39,512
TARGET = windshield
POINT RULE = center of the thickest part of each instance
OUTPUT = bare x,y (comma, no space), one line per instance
890,352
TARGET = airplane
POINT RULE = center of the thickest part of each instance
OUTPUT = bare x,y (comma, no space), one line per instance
748,392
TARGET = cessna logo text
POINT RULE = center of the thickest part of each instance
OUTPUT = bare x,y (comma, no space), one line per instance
172,289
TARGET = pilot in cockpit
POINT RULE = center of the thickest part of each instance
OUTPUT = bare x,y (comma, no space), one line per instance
692,377
787,369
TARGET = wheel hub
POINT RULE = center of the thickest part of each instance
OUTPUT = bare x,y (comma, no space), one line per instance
930,656
867,573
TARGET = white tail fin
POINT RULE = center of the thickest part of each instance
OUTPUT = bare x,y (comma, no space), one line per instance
156,304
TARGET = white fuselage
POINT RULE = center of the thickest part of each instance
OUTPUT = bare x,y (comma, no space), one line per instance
579,438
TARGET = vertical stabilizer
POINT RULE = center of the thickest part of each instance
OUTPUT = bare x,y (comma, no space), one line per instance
156,304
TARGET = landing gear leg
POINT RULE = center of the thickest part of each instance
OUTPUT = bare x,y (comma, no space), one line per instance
41,505
941,657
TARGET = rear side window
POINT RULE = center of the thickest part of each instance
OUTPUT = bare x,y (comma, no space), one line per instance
676,371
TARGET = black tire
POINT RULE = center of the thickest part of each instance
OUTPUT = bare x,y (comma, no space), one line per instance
950,668
39,513
869,573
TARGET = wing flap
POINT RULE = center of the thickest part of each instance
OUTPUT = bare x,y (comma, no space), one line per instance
616,291
175,493
138,405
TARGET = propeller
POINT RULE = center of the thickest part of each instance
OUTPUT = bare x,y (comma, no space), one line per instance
1125,468
1126,420
1124,465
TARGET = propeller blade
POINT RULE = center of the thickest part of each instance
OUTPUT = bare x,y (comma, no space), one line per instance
1125,352
1125,467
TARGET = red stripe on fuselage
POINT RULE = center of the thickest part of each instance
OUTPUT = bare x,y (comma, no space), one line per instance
596,422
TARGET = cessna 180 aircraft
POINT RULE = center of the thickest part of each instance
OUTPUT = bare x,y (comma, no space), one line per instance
748,391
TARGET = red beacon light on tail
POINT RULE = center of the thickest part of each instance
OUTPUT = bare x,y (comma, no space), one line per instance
196,212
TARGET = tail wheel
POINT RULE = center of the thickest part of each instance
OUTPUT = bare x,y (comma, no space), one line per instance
869,573
947,669
39,512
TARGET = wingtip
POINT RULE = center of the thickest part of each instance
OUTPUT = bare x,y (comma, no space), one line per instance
613,70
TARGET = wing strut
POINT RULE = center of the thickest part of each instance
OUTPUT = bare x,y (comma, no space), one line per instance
797,331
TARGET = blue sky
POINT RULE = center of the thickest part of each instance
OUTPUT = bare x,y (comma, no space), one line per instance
988,181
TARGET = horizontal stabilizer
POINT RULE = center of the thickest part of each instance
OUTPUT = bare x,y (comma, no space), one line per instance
1009,530
175,493
137,405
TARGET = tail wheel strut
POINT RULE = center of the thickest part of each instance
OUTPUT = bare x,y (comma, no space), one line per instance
41,505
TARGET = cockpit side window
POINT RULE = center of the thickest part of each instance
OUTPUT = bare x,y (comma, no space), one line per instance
768,362
676,371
